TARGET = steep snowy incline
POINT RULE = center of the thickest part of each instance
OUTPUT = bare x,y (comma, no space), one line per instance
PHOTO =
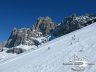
80,44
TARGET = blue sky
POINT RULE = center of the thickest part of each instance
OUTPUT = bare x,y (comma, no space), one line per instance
23,13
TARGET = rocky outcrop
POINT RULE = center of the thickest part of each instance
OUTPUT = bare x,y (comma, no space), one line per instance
27,36
17,37
44,25
74,22
16,50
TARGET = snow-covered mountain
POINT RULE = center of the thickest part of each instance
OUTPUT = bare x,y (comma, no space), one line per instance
45,30
79,45
32,36
73,23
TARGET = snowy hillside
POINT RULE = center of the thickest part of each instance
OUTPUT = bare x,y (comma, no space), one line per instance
50,57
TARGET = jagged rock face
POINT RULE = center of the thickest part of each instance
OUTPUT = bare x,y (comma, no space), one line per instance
21,36
25,36
72,23
17,37
44,25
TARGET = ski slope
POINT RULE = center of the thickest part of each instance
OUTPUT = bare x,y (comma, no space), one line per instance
80,44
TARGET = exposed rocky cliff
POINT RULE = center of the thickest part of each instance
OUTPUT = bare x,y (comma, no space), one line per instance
74,22
44,27
27,36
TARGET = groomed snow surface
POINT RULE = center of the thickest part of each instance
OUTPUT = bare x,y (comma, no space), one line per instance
50,57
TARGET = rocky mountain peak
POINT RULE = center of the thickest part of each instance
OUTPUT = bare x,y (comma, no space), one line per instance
44,19
27,36
74,22
14,31
44,25
18,36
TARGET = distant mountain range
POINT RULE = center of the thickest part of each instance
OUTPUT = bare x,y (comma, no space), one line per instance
45,29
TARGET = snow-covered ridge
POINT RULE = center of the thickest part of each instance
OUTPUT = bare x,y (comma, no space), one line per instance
44,26
80,44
